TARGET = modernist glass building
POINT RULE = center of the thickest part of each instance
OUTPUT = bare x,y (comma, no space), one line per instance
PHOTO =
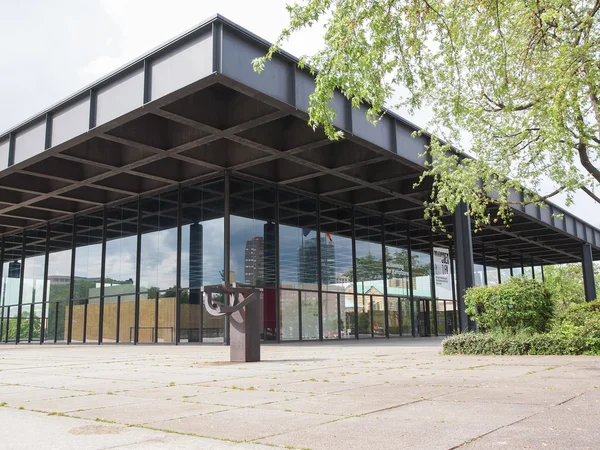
185,169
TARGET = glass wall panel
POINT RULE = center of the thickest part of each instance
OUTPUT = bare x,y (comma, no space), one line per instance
202,258
298,265
119,285
492,275
479,279
394,317
59,282
252,245
33,285
290,314
88,271
397,276
11,275
310,315
336,267
528,273
330,315
441,318
405,317
369,273
158,266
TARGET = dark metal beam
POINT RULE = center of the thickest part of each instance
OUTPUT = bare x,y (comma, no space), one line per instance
587,263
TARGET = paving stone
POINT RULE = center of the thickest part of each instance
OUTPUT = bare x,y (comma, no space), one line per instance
242,424
147,412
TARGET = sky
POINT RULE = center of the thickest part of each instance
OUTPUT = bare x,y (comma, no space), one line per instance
50,49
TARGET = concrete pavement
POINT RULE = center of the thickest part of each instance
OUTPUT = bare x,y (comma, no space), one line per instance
383,394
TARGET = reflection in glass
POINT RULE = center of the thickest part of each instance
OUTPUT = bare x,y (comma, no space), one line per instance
158,267
310,315
290,315
252,245
202,256
119,284
59,282
86,286
330,315
298,263
492,275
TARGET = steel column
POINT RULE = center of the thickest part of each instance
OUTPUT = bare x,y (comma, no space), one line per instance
432,284
453,278
72,283
102,278
410,283
354,272
498,266
386,319
227,247
45,283
1,286
319,271
587,265
21,283
464,262
485,278
138,265
178,275
277,281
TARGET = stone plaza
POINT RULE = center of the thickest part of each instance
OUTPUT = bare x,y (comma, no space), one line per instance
384,394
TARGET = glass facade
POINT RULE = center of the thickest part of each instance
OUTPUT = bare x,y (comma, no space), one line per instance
134,272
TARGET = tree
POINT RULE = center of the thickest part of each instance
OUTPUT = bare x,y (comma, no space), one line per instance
565,284
519,79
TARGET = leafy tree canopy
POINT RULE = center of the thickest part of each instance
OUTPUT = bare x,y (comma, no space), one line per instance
518,79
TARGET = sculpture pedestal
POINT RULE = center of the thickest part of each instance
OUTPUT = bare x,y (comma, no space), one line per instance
244,333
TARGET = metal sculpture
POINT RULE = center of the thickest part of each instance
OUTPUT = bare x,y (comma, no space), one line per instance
242,305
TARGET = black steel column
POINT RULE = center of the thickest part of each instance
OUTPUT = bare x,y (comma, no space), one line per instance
277,282
532,268
45,283
138,265
432,284
102,278
587,263
522,267
485,280
385,281
319,271
354,272
410,283
464,262
72,283
510,263
21,282
542,268
178,275
498,266
453,278
1,286
227,247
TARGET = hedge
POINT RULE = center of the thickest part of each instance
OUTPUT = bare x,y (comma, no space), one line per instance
518,344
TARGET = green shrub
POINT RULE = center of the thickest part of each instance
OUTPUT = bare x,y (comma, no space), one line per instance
580,324
519,303
506,344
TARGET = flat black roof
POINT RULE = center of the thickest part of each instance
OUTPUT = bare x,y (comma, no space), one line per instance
193,108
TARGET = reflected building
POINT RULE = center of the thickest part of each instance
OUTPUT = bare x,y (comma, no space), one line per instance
254,270
308,262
